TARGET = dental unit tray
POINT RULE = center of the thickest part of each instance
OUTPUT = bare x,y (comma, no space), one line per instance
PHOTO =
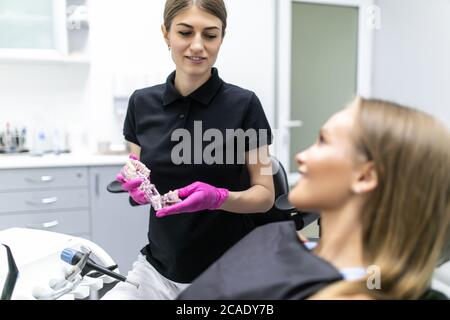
42,273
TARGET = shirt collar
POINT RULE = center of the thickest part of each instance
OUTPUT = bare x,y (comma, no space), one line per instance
204,94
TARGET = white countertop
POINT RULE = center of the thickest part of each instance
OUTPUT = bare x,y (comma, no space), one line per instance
62,160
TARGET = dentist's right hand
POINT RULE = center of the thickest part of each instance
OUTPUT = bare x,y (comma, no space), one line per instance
132,187
198,196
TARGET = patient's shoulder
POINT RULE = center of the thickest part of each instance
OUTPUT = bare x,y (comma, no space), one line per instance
356,296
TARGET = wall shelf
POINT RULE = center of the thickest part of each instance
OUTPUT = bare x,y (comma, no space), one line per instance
58,33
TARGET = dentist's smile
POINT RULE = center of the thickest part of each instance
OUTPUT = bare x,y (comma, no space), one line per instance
196,59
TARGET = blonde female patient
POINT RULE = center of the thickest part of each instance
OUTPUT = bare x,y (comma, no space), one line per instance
379,174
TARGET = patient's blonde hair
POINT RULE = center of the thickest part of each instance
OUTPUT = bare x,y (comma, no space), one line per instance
406,218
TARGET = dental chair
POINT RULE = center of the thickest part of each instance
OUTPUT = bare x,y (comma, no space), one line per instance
32,268
282,210
441,282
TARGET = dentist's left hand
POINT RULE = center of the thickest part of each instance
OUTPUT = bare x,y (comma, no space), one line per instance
199,196
132,186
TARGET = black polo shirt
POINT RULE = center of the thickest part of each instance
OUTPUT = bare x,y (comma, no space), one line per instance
182,246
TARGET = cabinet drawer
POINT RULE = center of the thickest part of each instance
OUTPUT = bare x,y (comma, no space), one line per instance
62,222
11,180
43,200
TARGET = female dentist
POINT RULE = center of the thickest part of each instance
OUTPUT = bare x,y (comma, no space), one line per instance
188,237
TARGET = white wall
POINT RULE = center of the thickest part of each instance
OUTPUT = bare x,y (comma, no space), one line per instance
412,55
43,96
248,52
127,52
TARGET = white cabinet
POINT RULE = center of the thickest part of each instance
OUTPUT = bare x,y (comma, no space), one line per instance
53,199
67,222
116,226
44,30
74,200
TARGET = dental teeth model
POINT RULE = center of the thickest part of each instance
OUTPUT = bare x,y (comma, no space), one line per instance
135,169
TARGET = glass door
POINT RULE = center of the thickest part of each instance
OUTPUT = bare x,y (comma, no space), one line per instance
324,60
26,24
32,28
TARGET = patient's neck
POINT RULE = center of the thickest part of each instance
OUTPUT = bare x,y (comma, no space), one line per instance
341,237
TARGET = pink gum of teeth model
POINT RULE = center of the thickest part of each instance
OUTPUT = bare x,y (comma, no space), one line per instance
135,169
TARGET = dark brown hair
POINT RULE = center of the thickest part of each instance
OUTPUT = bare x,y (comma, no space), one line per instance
215,7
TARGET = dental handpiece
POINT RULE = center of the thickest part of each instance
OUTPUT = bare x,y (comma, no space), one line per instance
72,257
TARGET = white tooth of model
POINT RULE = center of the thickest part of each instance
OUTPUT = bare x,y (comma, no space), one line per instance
135,169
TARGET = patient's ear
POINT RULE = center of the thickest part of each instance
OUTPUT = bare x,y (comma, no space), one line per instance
366,178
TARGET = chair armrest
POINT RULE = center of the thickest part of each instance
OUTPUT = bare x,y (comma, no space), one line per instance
133,203
116,187
301,218
282,203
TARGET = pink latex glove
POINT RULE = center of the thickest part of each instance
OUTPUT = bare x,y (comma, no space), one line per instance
200,196
132,186
133,156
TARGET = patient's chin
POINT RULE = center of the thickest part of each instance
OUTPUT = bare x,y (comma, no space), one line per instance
297,200
302,202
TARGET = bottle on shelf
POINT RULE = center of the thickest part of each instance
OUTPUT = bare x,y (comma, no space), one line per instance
40,143
8,139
